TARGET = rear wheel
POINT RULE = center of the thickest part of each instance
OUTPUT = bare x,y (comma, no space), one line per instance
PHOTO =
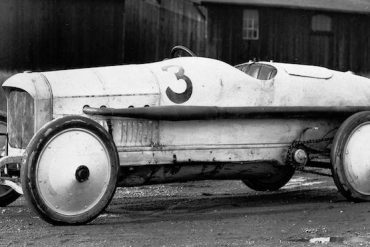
70,171
350,157
7,194
274,182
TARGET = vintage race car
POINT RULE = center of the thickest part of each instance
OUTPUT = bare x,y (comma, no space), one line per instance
73,136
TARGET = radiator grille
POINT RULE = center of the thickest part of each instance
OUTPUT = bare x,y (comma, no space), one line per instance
20,118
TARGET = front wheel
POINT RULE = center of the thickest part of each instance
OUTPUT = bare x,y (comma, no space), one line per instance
69,172
274,182
350,157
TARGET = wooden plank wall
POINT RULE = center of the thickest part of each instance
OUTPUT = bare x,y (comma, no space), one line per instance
286,36
55,34
153,27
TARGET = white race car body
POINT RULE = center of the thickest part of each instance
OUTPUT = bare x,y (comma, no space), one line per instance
188,118
213,83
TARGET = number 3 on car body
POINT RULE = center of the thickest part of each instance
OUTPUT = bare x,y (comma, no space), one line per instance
179,98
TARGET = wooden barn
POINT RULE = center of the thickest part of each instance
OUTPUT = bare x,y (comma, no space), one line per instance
330,33
153,27
57,34
54,34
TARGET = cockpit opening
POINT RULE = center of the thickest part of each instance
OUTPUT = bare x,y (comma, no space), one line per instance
259,71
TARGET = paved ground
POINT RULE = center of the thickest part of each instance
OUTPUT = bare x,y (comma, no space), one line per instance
207,213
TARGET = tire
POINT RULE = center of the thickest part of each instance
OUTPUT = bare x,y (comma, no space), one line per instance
69,172
350,157
7,194
272,183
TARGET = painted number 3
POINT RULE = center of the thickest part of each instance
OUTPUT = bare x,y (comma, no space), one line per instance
179,98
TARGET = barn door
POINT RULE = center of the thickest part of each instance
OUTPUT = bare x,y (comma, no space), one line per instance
321,41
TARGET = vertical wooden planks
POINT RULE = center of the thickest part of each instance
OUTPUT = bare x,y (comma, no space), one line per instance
53,34
160,25
286,36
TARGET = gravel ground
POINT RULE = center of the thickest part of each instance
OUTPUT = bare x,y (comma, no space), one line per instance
307,212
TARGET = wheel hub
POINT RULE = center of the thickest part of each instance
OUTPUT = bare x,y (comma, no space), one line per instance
82,174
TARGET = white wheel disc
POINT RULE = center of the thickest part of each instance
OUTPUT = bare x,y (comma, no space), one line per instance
60,185
356,159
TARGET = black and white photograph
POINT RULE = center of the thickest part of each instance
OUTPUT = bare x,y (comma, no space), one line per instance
185,123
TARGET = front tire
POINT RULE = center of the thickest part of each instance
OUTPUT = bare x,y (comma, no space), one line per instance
69,172
350,157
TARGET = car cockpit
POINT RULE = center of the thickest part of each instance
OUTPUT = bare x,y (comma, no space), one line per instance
260,71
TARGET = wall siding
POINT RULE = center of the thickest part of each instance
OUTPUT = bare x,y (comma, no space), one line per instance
154,27
57,34
51,34
286,36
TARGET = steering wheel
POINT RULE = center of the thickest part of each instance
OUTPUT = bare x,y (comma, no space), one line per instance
178,51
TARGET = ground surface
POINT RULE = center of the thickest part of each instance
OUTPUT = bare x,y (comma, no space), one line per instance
207,213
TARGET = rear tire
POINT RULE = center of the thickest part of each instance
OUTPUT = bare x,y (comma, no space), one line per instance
350,157
272,183
69,173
